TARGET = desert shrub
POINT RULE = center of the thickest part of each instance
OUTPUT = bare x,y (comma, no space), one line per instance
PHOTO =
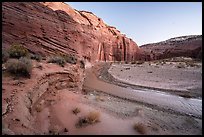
70,59
37,57
21,67
17,51
58,60
82,64
82,122
91,118
5,56
139,127
76,110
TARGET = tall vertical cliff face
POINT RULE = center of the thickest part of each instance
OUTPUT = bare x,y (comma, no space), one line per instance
54,27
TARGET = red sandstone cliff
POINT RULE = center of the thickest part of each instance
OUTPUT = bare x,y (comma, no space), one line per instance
188,46
54,27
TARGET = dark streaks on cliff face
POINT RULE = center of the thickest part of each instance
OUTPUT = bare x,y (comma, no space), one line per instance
46,27
124,46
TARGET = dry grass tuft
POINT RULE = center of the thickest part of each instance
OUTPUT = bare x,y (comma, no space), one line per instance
91,118
141,128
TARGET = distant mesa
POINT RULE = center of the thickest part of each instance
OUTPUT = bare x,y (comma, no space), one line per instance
187,46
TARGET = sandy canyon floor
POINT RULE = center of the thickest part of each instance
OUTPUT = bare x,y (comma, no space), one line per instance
159,97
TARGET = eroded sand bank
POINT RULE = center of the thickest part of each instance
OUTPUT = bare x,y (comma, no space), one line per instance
51,112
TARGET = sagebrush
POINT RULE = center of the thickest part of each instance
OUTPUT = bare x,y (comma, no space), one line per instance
19,67
58,60
17,51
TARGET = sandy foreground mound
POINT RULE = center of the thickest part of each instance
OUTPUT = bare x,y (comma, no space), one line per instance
52,102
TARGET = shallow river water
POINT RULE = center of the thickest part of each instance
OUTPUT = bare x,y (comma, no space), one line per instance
158,99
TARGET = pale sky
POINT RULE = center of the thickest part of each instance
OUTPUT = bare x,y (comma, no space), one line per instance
148,22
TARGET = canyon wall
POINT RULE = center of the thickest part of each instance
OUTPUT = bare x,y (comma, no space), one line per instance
187,46
49,28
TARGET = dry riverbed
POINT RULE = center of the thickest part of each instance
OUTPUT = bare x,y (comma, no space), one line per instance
50,103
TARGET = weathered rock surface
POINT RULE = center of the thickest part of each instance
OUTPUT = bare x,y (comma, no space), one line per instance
188,46
54,27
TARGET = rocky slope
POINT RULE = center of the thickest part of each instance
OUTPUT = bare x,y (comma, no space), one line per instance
54,27
23,99
188,46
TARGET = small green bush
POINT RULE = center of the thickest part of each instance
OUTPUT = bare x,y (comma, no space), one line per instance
58,60
5,56
17,51
21,67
